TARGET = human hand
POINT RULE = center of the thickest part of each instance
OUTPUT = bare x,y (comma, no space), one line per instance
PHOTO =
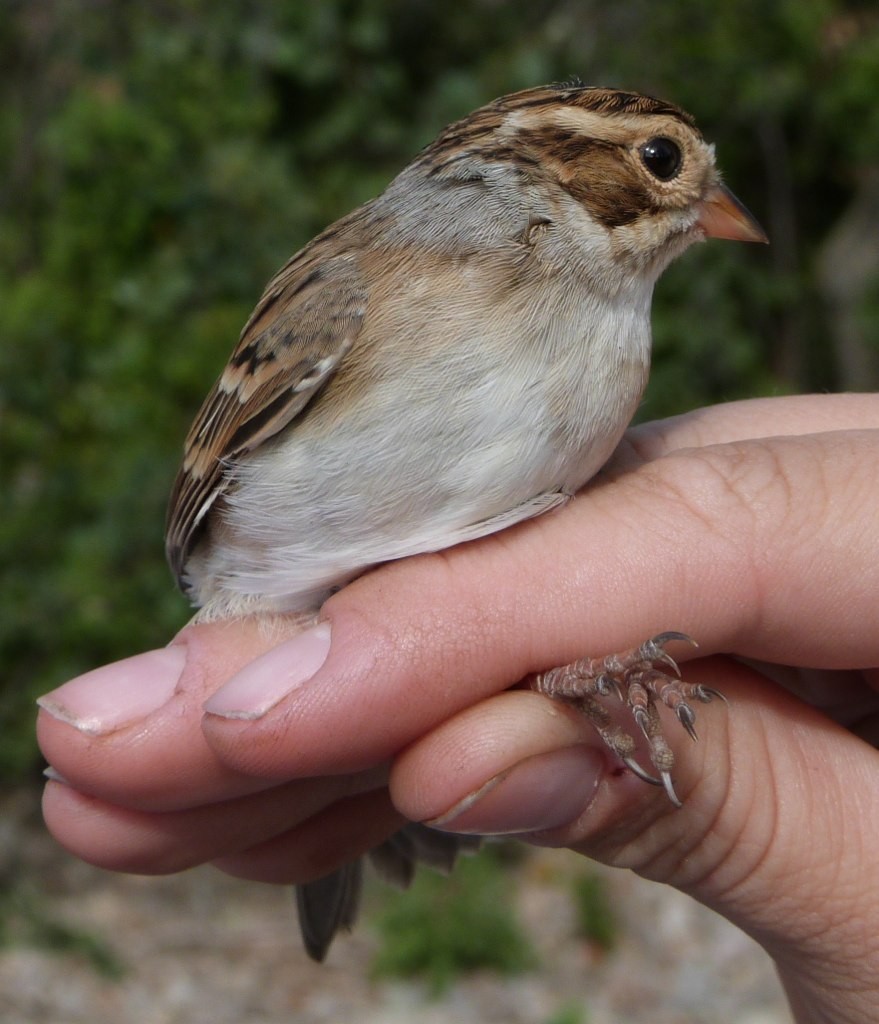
763,548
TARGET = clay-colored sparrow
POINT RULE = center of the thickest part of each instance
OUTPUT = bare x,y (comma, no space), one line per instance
457,355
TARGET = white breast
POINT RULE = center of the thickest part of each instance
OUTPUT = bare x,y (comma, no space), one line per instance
512,408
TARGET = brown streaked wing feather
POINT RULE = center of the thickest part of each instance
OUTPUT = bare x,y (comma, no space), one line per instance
306,321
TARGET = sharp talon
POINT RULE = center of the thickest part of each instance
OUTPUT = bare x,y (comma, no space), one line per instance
637,770
664,638
687,720
707,693
605,685
641,719
670,789
667,659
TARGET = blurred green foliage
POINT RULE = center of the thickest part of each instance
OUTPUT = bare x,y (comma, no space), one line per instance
442,927
27,919
159,160
596,921
571,1013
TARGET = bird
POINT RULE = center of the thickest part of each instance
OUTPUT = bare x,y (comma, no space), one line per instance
459,354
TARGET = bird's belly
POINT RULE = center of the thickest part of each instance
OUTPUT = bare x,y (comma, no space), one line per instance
316,506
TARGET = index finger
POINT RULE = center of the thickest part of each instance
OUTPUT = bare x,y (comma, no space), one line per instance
763,548
787,416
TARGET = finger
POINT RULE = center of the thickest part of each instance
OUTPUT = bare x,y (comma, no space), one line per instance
520,763
154,842
790,415
341,833
761,547
779,806
130,733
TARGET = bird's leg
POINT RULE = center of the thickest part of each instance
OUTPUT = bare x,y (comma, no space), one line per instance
641,678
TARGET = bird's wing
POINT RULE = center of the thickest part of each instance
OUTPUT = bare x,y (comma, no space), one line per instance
306,321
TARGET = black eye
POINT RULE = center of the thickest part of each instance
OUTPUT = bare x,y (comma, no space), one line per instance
662,158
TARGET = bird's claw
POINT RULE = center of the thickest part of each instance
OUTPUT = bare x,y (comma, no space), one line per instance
637,679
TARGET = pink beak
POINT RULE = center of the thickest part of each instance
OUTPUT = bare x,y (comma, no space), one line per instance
721,215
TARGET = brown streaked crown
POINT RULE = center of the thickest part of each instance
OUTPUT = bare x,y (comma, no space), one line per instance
461,135
578,136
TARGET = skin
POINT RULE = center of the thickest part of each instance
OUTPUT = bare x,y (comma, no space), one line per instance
749,526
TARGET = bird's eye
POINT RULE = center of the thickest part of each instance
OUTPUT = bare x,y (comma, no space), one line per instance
662,158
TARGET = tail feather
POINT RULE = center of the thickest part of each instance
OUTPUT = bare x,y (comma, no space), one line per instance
327,906
330,904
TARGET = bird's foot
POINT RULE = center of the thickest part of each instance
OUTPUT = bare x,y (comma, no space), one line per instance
641,678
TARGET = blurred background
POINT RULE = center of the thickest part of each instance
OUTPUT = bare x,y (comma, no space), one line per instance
160,160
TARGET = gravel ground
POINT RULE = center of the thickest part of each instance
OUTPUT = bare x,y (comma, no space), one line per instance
200,948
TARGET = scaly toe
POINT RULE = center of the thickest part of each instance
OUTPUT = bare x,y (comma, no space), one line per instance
640,678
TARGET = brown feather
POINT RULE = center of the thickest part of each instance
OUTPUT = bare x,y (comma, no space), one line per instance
303,326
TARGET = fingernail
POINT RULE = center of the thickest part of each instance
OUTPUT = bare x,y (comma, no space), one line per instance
110,697
262,684
543,792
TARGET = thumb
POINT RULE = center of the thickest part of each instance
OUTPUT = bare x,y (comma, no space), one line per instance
779,804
